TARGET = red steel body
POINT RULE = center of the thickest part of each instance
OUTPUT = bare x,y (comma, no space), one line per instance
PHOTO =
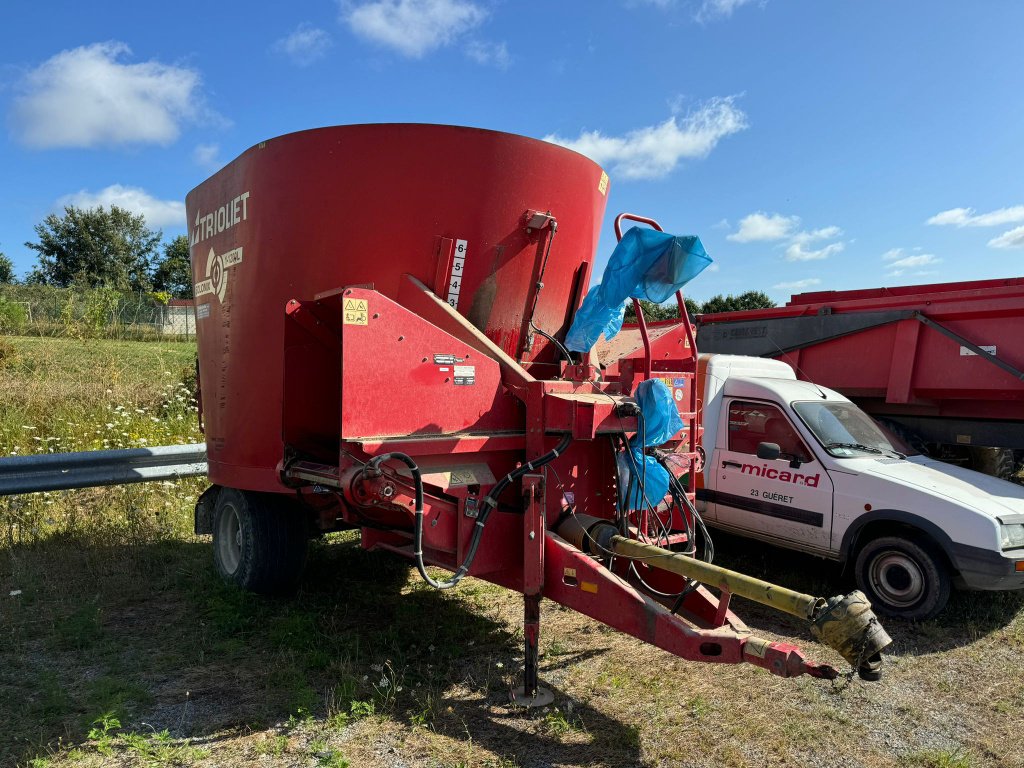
364,205
921,354
374,290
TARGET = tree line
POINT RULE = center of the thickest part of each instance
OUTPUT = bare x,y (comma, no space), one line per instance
113,248
105,248
719,303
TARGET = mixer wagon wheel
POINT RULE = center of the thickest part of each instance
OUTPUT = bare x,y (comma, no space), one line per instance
259,541
903,576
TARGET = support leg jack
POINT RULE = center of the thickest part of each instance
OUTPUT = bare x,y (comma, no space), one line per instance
530,693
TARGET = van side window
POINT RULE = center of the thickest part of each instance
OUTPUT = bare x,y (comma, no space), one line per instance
754,423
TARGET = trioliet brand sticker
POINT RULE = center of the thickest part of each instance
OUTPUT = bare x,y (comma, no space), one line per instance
355,312
216,281
233,212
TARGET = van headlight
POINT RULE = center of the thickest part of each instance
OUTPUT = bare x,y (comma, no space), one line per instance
1011,536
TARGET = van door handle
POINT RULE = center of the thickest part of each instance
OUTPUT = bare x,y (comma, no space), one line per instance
732,464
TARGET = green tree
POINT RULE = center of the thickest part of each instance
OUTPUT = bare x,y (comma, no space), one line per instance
95,247
667,311
6,270
173,272
730,303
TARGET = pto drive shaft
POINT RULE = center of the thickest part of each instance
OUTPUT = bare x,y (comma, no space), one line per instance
846,624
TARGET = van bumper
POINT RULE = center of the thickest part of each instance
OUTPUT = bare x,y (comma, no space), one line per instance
988,569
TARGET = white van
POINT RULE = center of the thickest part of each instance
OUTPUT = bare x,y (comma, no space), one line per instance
800,466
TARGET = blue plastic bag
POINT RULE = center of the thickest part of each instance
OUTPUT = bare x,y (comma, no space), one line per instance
646,264
661,422
594,318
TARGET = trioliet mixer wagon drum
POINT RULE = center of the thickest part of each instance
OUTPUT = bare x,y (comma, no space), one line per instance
379,309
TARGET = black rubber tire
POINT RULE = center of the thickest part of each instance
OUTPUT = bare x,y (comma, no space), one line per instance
998,462
260,541
904,577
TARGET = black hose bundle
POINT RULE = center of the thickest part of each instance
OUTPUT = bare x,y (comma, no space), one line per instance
489,503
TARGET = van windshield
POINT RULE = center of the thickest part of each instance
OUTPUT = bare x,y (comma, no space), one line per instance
843,429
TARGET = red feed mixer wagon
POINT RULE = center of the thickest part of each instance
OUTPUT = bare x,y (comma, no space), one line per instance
378,312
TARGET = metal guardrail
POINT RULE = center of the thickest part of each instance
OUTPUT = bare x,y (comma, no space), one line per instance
88,469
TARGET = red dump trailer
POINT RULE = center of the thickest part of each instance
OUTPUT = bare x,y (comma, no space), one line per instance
378,312
942,364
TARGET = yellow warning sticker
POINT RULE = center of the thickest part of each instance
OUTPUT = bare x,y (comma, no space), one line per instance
602,185
355,312
589,586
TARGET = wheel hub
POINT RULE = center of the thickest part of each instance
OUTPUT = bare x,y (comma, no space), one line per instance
897,578
229,539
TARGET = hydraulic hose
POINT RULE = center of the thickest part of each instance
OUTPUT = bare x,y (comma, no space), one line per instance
489,503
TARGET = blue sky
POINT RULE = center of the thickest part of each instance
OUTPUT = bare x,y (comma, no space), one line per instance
811,145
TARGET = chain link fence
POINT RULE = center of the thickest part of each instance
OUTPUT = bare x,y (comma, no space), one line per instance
42,310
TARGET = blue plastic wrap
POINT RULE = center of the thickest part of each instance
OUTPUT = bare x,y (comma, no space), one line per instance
594,318
661,422
646,264
661,417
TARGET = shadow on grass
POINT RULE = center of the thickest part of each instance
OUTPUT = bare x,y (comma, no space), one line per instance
968,617
148,634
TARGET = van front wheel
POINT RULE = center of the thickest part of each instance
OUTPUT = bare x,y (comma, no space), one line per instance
903,577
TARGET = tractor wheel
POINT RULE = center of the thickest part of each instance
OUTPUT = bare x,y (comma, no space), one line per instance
259,541
903,577
998,462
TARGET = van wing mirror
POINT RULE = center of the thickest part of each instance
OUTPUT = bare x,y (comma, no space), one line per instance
768,451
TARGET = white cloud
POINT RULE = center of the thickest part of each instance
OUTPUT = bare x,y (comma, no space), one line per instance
760,226
489,54
900,261
718,9
919,260
797,252
825,233
412,27
769,227
87,97
966,217
1013,238
797,285
653,152
158,213
305,45
207,156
